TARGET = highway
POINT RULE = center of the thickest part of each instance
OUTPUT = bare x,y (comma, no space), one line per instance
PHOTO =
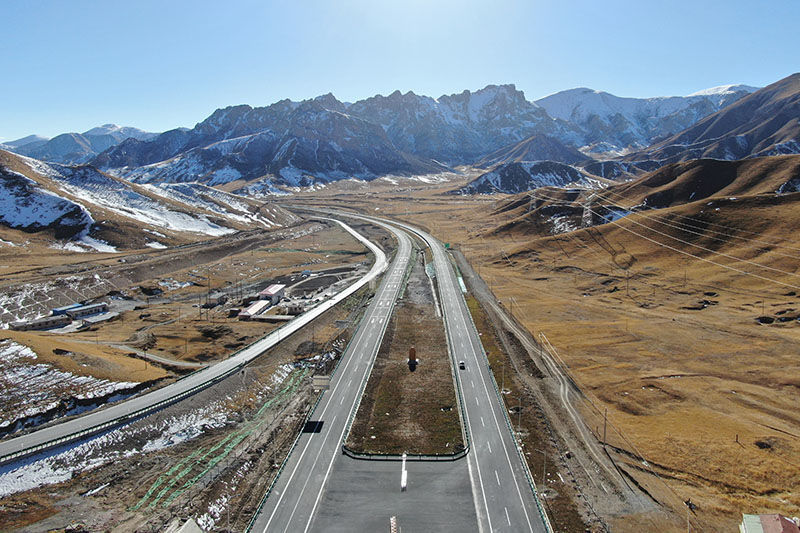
318,492
97,420
297,493
501,492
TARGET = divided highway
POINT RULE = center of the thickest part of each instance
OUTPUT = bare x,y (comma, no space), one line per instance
296,494
314,483
503,497
116,413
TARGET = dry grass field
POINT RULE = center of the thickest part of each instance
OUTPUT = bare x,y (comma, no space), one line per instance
406,411
700,394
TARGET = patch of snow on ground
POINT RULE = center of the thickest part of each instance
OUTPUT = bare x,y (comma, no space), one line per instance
116,444
28,389
155,244
281,374
97,244
147,435
562,224
171,284
68,247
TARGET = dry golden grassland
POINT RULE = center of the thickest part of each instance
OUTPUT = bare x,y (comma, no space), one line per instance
682,379
415,412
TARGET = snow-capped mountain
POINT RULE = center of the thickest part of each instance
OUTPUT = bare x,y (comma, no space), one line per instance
516,177
294,143
459,128
120,133
765,123
612,123
95,210
76,148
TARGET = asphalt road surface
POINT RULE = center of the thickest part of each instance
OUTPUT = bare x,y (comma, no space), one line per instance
502,496
96,420
322,490
296,495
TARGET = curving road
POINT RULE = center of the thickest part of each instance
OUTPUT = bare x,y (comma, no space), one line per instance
317,492
296,495
114,414
502,495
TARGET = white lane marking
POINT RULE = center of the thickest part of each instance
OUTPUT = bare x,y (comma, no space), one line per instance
310,473
507,518
497,477
372,353
489,444
505,449
484,425
351,359
340,401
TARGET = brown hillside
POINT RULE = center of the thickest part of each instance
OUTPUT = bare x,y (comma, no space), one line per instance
681,183
762,123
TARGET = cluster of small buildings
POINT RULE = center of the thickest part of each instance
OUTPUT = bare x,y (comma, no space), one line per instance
263,301
63,316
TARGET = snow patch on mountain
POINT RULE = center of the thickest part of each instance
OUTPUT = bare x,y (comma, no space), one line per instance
516,177
726,89
24,204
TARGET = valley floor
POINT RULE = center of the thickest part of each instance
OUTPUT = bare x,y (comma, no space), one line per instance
700,395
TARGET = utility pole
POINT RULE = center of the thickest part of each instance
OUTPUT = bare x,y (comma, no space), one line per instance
605,421
503,386
627,277
544,468
519,415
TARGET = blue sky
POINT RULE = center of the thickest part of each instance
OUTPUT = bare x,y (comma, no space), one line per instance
157,65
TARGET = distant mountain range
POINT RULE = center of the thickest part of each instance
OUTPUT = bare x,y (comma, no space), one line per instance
767,122
84,209
296,144
612,124
75,148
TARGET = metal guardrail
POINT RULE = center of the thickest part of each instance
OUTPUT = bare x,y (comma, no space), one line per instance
300,433
122,419
525,466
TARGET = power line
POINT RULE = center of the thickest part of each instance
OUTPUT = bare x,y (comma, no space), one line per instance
606,197
738,270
